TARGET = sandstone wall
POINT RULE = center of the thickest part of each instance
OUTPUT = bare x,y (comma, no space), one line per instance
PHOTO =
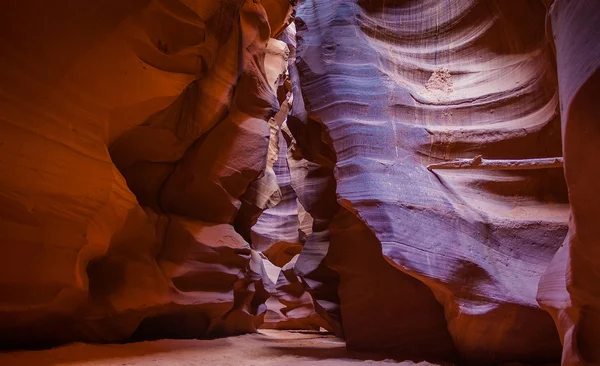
190,168
129,132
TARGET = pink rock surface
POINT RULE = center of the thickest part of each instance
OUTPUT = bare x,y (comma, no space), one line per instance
410,83
569,289
190,169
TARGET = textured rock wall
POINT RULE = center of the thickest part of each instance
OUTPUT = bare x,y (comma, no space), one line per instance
570,288
189,168
129,132
409,83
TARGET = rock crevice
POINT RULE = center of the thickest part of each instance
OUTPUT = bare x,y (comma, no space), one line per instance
417,177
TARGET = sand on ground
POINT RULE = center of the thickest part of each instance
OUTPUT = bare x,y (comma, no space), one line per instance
269,347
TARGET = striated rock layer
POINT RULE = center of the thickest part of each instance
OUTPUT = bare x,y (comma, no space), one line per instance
398,85
129,132
570,288
191,168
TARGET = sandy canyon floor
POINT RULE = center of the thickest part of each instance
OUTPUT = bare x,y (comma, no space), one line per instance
269,347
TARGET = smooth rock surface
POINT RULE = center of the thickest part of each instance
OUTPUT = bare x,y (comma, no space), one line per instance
569,289
193,169
414,82
129,132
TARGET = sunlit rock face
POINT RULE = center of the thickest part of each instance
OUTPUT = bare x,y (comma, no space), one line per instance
398,85
194,168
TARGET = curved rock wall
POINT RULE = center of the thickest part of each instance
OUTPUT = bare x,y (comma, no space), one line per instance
178,96
189,168
569,289
409,83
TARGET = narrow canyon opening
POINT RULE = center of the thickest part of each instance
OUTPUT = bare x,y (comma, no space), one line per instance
299,182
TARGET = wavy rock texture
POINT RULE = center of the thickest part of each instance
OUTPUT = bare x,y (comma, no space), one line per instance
311,170
291,306
178,95
191,168
279,226
385,294
409,83
569,289
280,233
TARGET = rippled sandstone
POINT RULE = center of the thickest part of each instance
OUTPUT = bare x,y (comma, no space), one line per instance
191,169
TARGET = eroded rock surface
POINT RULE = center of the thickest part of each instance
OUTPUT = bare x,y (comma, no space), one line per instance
569,289
410,83
129,132
190,169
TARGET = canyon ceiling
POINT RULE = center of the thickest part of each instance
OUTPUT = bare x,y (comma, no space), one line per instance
196,168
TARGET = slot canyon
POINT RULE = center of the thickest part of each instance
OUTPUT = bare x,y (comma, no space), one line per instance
281,182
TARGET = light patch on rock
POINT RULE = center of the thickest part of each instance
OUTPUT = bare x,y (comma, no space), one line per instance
439,86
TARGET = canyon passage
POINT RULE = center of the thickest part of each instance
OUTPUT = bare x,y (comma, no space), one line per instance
254,182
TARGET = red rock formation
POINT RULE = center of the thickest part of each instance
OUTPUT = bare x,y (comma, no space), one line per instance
180,93
570,288
190,168
311,169
370,285
279,234
291,305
